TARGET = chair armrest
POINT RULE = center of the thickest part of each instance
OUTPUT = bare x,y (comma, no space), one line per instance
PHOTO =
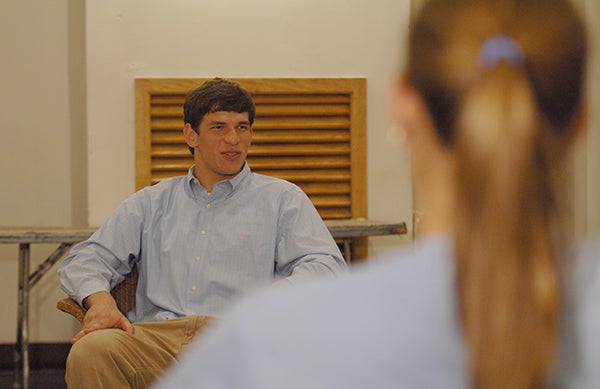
124,295
71,307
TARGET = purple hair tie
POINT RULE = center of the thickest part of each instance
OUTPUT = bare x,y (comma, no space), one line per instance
501,48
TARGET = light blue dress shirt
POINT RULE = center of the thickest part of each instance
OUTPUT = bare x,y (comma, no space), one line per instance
196,251
578,365
395,324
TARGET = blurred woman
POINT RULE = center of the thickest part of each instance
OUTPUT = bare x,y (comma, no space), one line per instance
492,100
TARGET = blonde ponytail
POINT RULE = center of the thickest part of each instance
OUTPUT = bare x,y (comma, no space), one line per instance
507,262
503,107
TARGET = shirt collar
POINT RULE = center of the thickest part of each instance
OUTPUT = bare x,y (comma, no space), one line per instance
234,182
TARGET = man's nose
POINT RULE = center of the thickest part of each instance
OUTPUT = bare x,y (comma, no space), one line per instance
232,136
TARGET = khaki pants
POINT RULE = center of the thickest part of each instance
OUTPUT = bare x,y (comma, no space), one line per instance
111,358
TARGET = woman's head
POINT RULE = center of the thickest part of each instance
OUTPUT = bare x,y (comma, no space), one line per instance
502,84
445,45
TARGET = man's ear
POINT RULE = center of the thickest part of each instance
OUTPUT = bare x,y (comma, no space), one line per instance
191,136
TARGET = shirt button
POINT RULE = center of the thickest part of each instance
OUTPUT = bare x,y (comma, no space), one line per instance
208,206
197,259
203,232
194,287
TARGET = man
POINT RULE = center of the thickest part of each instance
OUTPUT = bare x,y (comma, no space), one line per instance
199,242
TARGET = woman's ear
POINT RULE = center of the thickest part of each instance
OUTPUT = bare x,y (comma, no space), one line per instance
191,136
409,109
578,124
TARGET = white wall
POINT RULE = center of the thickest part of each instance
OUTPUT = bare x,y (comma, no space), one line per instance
590,205
35,164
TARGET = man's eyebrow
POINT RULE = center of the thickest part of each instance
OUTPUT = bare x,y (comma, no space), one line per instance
221,122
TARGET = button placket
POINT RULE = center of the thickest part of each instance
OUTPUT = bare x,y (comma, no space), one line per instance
206,206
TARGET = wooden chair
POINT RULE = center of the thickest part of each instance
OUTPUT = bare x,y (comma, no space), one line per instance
123,293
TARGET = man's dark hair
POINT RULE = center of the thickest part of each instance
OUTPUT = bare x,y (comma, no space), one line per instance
216,95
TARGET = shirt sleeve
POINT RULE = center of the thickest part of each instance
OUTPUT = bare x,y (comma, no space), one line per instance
305,246
102,261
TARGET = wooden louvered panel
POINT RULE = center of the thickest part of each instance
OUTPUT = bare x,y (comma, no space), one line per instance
316,188
310,162
167,110
307,131
335,213
257,164
299,123
296,176
301,136
269,150
304,110
305,136
266,123
330,201
165,137
171,164
176,99
176,111
278,150
301,98
163,151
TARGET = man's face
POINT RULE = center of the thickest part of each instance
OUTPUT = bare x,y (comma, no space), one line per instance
220,147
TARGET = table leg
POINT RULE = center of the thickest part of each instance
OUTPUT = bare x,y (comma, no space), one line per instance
48,263
21,355
347,251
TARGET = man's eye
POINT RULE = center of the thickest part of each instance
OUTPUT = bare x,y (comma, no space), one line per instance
243,128
216,128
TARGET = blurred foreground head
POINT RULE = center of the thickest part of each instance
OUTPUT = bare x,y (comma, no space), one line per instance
502,83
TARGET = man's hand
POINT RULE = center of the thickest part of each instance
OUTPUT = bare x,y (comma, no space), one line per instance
282,281
102,312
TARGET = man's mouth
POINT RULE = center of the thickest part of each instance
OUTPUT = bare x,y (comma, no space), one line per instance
231,154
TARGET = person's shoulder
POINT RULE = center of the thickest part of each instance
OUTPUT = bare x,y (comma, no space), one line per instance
397,313
589,250
587,268
261,180
165,186
412,264
158,193
419,275
585,281
419,272
272,189
580,355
